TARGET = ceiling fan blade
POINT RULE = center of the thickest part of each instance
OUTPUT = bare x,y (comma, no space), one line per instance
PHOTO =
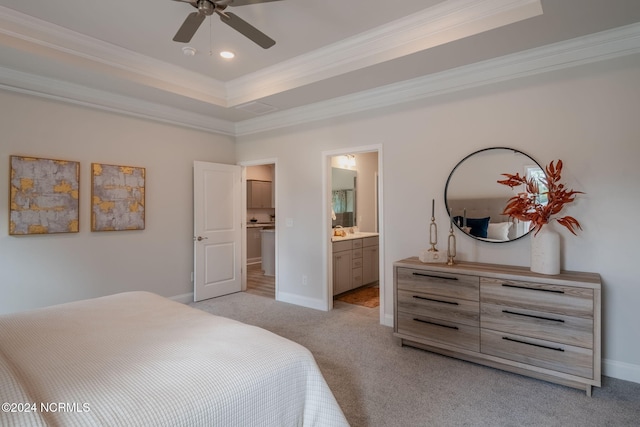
247,30
241,2
189,27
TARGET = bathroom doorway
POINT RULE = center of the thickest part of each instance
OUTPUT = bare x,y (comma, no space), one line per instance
260,229
355,239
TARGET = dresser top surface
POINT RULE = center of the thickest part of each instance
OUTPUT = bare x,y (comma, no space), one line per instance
507,272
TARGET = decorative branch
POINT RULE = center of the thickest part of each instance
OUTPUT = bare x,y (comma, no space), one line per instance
527,207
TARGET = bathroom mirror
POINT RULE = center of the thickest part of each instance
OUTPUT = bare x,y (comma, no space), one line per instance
474,199
343,197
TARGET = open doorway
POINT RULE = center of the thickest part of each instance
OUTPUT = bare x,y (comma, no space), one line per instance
260,226
354,226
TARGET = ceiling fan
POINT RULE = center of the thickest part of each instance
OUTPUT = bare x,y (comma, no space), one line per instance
209,7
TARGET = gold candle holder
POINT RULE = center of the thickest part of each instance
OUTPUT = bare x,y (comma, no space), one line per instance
433,255
433,229
451,245
433,235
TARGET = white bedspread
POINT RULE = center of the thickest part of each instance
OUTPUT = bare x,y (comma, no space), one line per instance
137,359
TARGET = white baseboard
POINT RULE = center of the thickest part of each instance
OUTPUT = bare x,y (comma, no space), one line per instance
314,303
388,320
621,370
184,298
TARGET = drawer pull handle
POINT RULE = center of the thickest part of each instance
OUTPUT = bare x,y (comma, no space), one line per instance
533,344
507,285
434,276
436,324
435,300
551,319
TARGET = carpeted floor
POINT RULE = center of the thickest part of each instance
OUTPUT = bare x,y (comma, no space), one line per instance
378,383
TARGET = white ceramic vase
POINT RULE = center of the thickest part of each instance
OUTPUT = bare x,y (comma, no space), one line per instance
545,251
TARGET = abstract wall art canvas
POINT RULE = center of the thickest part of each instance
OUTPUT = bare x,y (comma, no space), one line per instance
43,196
117,197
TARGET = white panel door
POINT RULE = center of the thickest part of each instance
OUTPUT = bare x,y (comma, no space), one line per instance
217,230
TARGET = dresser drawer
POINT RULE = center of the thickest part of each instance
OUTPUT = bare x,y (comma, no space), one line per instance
564,300
357,243
439,307
439,331
356,253
541,353
436,283
571,330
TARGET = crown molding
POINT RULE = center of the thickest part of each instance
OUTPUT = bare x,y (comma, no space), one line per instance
446,21
602,46
141,68
442,23
609,44
30,84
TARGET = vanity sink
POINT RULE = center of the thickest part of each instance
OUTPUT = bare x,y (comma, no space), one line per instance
261,224
357,235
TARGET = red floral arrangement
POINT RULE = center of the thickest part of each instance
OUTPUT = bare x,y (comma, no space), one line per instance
527,207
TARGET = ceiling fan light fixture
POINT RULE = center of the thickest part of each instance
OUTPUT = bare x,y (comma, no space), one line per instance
227,54
206,7
209,7
188,51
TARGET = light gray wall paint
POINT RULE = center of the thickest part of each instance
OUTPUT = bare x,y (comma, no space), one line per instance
42,270
586,116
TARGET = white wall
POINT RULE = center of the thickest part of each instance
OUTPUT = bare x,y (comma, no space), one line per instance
586,116
42,270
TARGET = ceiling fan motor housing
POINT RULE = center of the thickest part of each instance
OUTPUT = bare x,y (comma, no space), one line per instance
205,7
209,7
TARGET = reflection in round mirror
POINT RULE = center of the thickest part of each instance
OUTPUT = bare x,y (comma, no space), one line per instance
474,199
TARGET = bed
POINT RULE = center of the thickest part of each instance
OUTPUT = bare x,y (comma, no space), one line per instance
138,359
484,215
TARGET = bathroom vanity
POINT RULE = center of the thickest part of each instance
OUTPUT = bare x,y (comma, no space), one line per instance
506,317
355,261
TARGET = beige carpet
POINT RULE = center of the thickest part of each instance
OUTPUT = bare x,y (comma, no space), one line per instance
366,297
378,383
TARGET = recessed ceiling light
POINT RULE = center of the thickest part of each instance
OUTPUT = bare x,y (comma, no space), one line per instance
188,51
227,54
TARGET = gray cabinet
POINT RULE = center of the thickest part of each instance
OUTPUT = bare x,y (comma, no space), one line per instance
254,244
259,194
342,267
355,263
370,260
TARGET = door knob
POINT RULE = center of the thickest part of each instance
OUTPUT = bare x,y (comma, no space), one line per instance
200,238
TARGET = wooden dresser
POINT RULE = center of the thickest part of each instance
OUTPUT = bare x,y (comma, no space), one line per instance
506,317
